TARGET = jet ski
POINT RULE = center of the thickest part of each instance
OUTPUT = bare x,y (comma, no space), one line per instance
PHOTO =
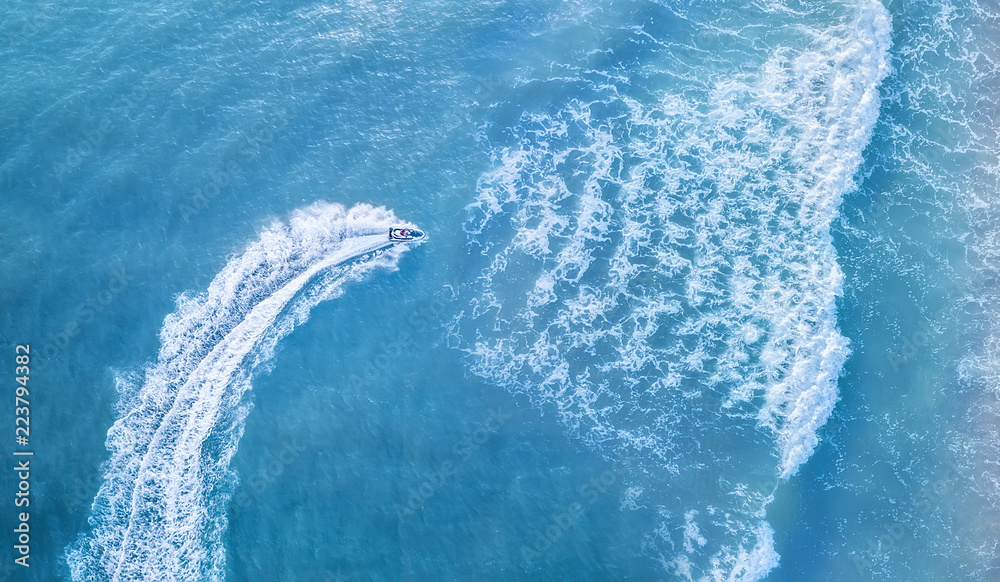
405,234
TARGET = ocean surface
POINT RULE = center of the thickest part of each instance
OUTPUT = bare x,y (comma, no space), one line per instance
709,290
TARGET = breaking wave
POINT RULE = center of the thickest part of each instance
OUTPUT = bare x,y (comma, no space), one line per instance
660,273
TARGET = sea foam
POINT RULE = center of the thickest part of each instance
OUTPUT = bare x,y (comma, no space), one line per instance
160,512
661,274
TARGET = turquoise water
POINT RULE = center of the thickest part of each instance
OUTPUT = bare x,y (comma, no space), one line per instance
707,293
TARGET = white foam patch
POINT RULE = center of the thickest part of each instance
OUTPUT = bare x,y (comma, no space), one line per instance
662,275
692,535
739,565
160,512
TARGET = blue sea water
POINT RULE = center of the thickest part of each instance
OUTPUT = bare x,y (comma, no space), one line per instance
708,291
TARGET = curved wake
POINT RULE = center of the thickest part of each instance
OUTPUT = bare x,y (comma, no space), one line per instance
160,512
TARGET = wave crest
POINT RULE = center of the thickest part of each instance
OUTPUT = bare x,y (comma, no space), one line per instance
662,276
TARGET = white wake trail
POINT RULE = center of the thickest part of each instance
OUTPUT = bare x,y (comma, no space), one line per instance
160,513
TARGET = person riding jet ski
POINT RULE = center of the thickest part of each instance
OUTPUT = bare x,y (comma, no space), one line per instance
405,234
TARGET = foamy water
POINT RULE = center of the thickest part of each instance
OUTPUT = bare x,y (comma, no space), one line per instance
668,272
709,291
160,513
